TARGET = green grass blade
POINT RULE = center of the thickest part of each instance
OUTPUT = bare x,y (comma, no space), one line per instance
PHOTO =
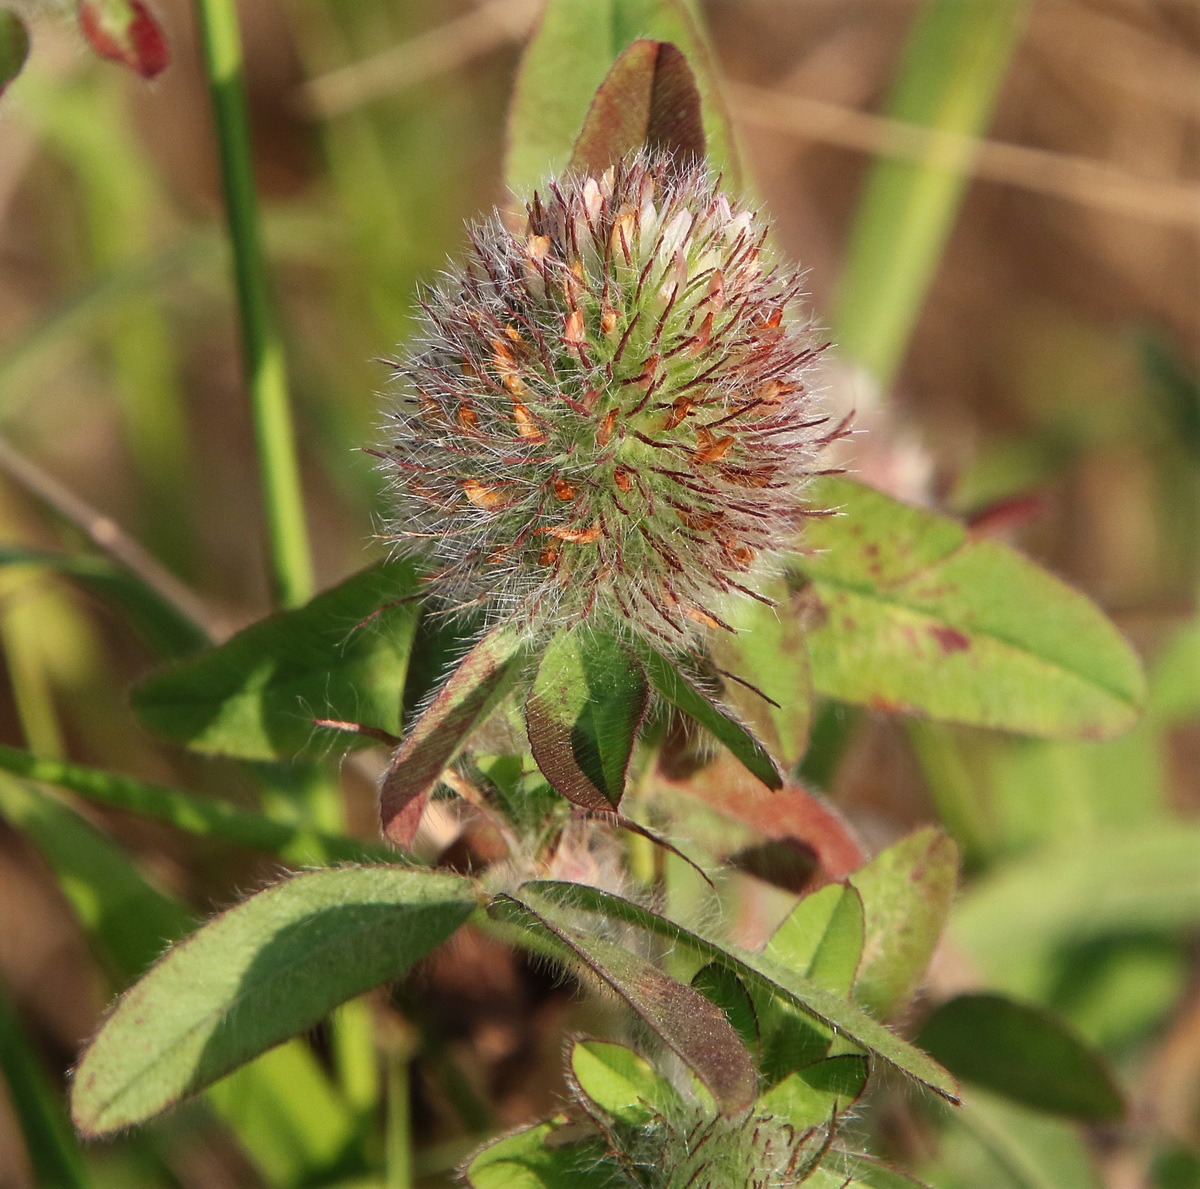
202,816
261,343
948,80
53,1153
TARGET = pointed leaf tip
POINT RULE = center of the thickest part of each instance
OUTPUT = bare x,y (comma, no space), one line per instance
648,98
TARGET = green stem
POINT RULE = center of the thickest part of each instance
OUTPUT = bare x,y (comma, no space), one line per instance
262,346
399,1123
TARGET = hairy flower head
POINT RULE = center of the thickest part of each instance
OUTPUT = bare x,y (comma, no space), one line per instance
607,415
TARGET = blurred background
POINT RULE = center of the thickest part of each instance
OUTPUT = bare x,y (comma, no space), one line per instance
1048,394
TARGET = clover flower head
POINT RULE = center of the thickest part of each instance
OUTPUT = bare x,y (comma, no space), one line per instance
607,416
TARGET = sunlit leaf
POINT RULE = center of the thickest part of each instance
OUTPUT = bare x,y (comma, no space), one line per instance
342,656
583,714
1025,1053
648,99
524,1160
468,696
694,1028
621,1084
757,970
268,968
907,892
125,31
818,1093
908,614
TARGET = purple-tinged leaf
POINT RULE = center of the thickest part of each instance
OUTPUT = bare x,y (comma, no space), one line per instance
468,696
907,892
14,47
583,714
757,970
648,99
1026,1053
691,1026
125,31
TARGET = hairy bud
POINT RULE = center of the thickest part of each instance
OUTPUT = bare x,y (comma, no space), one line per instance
607,416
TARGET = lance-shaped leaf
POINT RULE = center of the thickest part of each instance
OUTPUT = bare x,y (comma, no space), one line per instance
14,47
583,714
341,656
265,970
572,51
649,98
1025,1053
125,31
907,892
688,698
757,970
908,614
469,695
695,1029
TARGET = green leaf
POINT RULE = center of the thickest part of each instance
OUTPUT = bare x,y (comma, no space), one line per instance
270,967
468,696
648,99
523,1160
620,1084
688,698
907,892
769,651
583,715
342,656
571,53
1136,880
161,623
1175,678
990,1141
282,1107
813,1096
952,67
1026,1054
821,939
908,614
14,47
757,970
692,1027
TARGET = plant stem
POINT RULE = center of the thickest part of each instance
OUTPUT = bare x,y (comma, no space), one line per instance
262,347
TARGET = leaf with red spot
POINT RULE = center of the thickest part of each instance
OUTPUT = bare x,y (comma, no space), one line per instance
14,47
648,99
908,613
691,1026
125,31
907,892
468,696
583,714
